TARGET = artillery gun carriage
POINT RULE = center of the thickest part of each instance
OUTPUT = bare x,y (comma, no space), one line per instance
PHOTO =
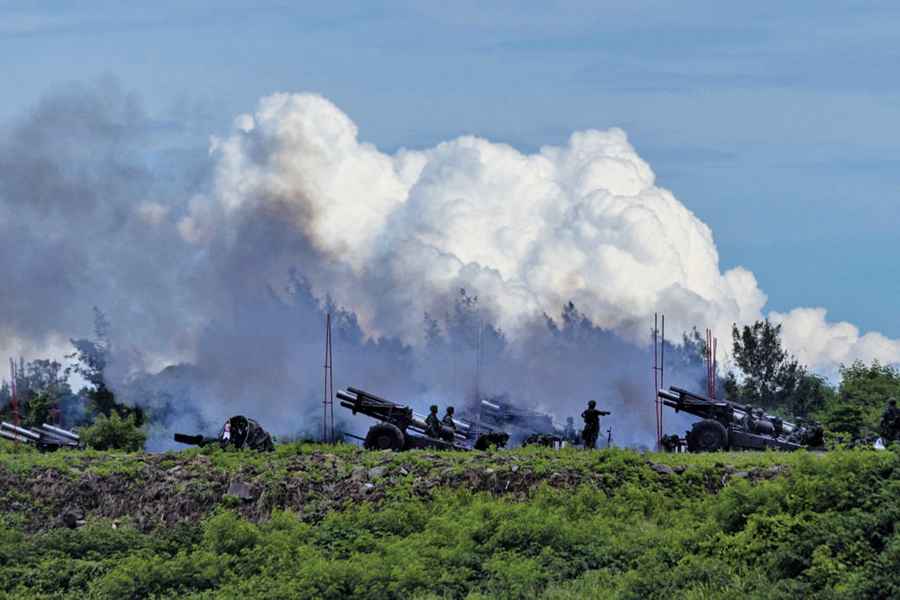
401,428
726,425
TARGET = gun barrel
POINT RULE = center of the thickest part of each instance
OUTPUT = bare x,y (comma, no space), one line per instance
345,397
193,440
667,395
21,431
52,438
61,432
13,437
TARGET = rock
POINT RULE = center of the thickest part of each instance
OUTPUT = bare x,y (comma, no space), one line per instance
679,469
773,471
662,469
358,474
72,518
741,475
514,468
403,471
240,490
376,472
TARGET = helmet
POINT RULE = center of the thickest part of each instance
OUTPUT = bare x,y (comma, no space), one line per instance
592,403
434,408
450,410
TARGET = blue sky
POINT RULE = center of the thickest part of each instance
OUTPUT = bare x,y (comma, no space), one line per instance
777,123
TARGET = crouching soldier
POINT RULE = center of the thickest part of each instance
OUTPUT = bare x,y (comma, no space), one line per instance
433,424
449,425
448,421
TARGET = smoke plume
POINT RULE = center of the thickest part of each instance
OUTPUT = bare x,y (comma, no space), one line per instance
450,268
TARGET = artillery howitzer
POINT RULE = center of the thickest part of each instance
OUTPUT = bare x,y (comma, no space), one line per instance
731,426
238,431
46,437
531,426
401,428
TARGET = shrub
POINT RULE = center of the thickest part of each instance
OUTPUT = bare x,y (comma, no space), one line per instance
114,433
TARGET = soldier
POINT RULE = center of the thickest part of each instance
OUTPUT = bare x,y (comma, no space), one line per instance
890,422
433,423
447,421
591,424
448,429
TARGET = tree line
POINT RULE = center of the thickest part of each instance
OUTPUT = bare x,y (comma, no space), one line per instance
762,373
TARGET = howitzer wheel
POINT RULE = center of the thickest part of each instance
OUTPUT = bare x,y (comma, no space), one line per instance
384,436
707,436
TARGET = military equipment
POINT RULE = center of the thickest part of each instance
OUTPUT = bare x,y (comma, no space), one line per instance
529,426
195,440
237,432
401,428
46,437
728,425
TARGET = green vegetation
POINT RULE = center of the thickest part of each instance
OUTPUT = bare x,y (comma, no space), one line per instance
767,376
529,523
114,433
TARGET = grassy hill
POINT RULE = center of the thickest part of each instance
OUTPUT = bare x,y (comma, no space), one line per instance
313,521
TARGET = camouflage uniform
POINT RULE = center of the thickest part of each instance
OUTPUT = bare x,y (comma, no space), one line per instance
890,422
433,424
591,425
447,421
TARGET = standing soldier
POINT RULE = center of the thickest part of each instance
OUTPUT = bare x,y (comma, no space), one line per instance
433,423
591,424
890,422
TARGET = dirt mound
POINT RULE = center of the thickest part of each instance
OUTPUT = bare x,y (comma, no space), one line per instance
164,489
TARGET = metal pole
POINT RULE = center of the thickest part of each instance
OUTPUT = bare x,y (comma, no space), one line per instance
13,390
714,370
662,374
328,400
656,376
331,382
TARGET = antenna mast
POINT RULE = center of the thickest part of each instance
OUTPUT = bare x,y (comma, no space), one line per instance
13,399
711,347
328,402
659,366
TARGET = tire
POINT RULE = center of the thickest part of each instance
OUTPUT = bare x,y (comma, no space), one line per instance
384,436
707,436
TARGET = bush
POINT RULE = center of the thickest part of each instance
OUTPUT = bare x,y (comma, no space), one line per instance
114,433
824,528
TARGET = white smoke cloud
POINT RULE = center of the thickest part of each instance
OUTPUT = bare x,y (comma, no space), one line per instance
815,341
583,222
390,236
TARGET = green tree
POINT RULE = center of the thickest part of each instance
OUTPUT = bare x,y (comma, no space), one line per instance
41,389
768,376
863,393
90,360
114,433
